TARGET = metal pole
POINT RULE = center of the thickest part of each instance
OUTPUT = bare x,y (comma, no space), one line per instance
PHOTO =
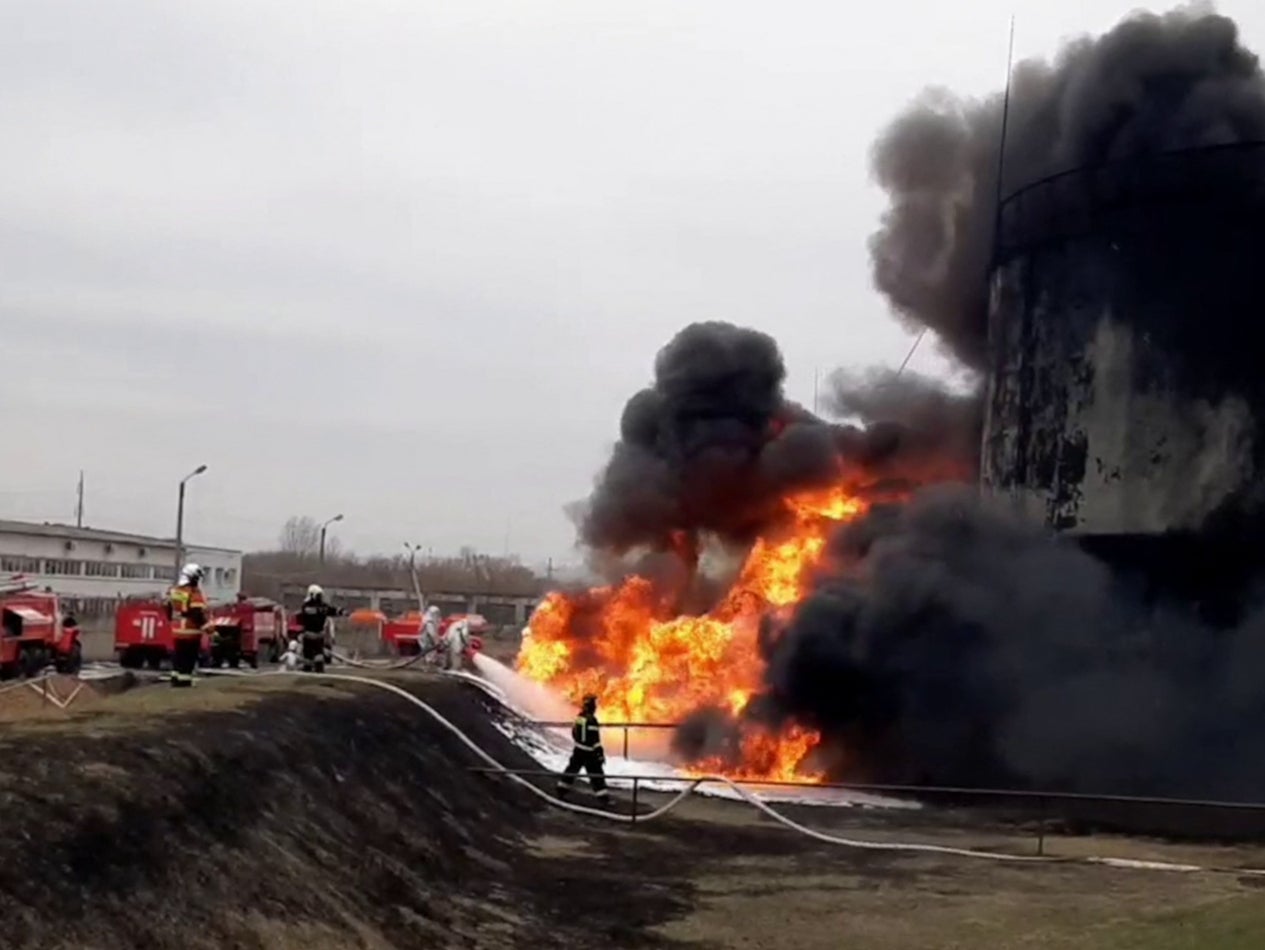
1041,829
1001,142
634,801
179,533
325,525
180,523
625,742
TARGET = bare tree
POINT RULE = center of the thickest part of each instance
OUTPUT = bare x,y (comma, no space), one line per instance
301,535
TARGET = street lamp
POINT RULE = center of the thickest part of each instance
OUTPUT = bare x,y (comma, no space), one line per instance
413,549
180,520
323,527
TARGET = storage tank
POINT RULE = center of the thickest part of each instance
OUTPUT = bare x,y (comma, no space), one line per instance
1127,348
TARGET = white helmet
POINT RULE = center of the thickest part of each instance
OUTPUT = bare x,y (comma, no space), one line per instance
432,611
314,592
191,573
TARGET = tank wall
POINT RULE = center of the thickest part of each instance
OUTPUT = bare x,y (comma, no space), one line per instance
1127,347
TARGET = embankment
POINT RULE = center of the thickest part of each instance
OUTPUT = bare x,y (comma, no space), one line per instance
273,814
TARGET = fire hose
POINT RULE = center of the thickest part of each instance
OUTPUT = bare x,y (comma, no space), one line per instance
695,782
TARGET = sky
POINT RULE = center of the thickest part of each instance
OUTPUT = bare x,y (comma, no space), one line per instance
405,261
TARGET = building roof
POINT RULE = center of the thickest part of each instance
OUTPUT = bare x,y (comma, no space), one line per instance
68,531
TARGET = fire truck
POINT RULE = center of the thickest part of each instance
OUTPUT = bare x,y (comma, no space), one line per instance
34,631
143,637
249,629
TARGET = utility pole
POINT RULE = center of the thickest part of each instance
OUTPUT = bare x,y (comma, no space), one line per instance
79,503
180,521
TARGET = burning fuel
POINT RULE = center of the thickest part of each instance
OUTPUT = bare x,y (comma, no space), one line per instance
713,456
647,663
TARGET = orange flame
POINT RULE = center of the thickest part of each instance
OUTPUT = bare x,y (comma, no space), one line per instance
620,644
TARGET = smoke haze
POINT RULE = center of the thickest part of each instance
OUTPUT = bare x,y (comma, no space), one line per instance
969,649
711,448
1154,83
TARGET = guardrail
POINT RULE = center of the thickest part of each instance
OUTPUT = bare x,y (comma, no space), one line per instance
1041,801
625,726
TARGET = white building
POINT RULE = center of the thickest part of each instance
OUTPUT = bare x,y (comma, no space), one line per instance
96,568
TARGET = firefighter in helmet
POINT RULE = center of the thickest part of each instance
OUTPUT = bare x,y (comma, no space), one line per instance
314,617
587,753
428,633
189,614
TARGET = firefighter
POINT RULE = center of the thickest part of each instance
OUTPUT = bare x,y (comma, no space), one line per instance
291,658
456,640
587,753
187,609
428,635
314,617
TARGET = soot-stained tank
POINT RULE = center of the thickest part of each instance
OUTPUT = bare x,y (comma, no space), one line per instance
1126,398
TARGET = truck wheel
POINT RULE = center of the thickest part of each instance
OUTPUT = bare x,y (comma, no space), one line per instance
32,662
154,661
234,660
253,660
72,663
131,659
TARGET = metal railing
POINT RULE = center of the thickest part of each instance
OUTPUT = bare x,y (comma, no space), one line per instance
1042,802
1074,202
626,727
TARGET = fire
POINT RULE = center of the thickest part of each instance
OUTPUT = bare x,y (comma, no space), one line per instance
646,665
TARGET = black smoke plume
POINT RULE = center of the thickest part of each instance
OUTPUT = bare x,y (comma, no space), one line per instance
1152,84
713,446
952,645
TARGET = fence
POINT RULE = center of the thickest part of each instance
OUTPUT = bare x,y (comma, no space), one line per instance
1193,818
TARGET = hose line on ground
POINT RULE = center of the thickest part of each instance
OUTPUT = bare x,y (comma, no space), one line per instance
746,796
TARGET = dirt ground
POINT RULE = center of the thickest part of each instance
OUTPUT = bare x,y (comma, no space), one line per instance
278,812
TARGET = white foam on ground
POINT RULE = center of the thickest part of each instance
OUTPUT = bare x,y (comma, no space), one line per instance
99,671
551,747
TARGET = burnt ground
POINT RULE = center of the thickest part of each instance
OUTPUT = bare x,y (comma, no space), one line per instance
276,813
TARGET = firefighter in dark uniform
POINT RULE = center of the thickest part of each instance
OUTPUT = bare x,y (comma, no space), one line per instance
314,617
587,753
189,614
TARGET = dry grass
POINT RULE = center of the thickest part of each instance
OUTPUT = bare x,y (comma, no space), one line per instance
351,839
939,905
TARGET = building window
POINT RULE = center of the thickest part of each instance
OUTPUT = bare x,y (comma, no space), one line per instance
135,572
160,572
62,568
100,569
17,564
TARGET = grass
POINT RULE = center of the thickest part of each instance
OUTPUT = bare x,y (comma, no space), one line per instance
819,902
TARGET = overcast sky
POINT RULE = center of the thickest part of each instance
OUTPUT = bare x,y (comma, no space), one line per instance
406,260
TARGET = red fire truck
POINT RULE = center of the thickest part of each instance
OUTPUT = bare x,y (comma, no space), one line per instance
34,632
143,637
248,629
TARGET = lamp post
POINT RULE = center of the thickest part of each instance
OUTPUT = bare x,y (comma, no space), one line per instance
412,569
180,520
323,527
